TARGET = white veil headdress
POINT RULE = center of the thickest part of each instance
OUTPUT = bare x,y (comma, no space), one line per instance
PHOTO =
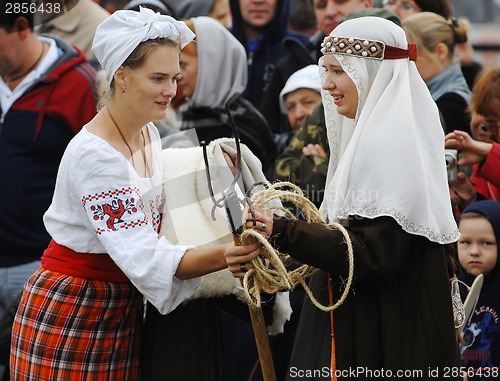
389,160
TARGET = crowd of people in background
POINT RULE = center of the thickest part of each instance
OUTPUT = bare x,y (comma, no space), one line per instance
66,84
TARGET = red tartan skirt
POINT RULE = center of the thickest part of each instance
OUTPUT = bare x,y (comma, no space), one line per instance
71,328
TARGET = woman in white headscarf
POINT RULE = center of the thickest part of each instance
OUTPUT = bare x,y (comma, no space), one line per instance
213,70
387,184
81,313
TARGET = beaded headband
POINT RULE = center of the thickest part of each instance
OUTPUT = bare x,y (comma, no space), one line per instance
366,48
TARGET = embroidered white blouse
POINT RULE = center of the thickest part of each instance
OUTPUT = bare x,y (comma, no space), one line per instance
101,205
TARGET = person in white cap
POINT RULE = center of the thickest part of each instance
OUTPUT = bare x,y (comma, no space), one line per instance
80,316
301,93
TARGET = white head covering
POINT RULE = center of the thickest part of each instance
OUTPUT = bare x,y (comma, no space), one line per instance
222,64
389,160
117,36
305,78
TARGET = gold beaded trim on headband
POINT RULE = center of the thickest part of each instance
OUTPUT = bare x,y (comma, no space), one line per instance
366,48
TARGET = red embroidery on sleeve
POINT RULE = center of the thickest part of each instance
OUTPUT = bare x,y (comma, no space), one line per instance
112,208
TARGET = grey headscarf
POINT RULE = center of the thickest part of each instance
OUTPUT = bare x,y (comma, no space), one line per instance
222,64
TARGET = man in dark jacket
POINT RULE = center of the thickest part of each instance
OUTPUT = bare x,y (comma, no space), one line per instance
261,27
47,93
299,54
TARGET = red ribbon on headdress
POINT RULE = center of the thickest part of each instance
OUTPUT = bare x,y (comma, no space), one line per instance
393,53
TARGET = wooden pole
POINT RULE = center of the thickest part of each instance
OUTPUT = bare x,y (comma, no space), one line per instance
262,342
261,337
256,315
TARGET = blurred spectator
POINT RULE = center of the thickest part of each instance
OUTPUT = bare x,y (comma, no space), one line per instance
305,160
78,25
405,8
186,9
261,26
482,150
302,17
299,54
216,9
47,93
464,50
222,13
213,70
436,39
301,94
486,158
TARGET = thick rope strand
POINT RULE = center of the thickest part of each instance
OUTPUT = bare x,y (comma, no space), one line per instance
269,274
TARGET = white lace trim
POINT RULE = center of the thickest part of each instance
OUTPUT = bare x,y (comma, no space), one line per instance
407,225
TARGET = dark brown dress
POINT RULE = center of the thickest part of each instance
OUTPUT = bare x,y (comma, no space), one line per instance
398,315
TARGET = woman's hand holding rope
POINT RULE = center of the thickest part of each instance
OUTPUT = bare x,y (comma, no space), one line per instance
267,272
239,258
261,221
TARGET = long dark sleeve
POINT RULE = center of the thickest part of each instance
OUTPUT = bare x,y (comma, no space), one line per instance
373,243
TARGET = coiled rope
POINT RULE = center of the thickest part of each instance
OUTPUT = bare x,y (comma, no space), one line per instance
269,274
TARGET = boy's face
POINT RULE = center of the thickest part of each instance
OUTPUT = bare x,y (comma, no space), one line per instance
477,246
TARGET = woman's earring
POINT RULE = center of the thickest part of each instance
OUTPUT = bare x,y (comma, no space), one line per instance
123,89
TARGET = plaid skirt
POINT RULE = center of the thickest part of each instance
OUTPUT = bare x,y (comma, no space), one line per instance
71,328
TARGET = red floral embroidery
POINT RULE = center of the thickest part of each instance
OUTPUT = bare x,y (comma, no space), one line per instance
113,211
112,206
